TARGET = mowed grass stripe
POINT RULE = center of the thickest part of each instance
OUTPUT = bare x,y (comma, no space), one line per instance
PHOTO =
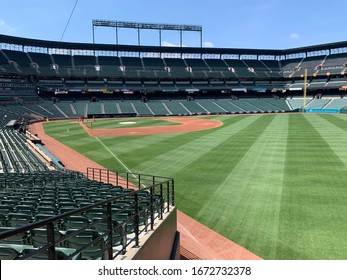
249,199
336,120
131,145
189,150
309,224
210,170
334,132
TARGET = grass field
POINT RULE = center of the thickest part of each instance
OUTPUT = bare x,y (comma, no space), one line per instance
275,184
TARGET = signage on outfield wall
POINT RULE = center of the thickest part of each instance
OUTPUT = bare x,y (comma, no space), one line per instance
320,110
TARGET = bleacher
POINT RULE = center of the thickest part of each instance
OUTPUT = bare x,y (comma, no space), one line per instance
84,65
67,108
62,64
338,103
297,103
158,108
20,62
229,106
126,107
110,107
16,156
258,67
210,106
334,64
239,68
317,103
175,107
142,108
312,65
290,66
94,108
177,67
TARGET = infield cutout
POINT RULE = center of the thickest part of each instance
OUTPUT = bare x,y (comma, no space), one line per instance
124,123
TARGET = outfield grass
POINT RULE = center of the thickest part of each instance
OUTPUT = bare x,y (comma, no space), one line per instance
275,184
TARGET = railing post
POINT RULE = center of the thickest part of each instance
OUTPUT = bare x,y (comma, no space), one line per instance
173,192
137,220
168,195
109,231
161,202
51,241
151,207
127,180
108,176
100,180
117,179
139,181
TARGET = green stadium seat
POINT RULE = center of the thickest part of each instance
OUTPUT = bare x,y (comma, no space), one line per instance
25,209
3,220
117,233
75,222
7,252
19,219
5,209
90,242
38,237
61,254
19,239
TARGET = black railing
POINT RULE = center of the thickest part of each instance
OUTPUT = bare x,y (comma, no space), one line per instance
124,219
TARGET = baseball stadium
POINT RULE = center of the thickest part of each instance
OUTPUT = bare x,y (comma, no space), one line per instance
112,151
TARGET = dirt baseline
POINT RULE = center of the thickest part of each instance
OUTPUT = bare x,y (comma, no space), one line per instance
185,125
197,241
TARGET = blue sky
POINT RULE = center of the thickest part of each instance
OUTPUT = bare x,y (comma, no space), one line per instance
260,24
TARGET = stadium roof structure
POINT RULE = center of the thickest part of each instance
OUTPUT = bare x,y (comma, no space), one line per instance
142,25
282,54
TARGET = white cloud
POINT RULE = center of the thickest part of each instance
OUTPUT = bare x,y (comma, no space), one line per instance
5,28
208,44
205,44
169,44
294,36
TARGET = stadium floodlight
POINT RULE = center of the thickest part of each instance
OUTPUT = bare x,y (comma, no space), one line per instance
141,25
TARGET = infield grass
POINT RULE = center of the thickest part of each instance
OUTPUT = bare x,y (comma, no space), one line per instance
275,184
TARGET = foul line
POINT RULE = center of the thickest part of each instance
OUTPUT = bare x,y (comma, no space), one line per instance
127,169
113,155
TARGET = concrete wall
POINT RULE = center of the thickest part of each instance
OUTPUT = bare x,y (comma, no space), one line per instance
158,244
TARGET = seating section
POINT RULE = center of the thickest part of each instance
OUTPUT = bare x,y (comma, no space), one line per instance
317,103
334,64
100,73
26,198
338,103
15,155
297,103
